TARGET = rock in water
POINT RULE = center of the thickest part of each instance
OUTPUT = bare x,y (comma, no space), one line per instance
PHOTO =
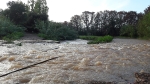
142,78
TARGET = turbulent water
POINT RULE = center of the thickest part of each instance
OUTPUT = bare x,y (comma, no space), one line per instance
79,64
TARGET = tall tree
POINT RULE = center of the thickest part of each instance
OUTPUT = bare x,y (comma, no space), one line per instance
1,11
144,26
31,4
41,7
38,10
147,10
38,6
97,23
16,12
76,22
87,18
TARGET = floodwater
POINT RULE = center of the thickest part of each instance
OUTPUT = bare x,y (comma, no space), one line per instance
79,63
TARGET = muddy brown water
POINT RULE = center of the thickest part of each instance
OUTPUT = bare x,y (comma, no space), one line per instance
80,63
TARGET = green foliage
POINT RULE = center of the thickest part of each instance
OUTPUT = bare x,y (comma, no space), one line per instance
9,31
37,11
88,37
26,14
16,12
38,6
7,27
41,7
55,31
32,18
97,39
13,36
128,31
65,33
144,27
44,36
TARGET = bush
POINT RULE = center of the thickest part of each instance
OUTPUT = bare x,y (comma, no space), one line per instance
31,21
128,31
65,33
7,27
14,36
55,31
97,39
9,31
144,27
88,37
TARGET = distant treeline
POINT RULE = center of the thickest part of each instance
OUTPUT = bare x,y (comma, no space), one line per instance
112,23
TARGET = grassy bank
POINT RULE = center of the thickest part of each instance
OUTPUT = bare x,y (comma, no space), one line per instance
97,39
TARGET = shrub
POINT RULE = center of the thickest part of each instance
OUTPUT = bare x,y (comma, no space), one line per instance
9,31
31,21
65,33
14,36
55,31
7,27
144,27
88,37
128,31
103,39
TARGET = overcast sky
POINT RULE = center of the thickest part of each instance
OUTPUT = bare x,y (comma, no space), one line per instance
63,10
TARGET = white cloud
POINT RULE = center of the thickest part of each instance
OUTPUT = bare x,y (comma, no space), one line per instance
63,10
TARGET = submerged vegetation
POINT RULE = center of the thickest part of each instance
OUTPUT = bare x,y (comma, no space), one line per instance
97,39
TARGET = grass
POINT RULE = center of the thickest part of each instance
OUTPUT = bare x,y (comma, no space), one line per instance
97,39
14,36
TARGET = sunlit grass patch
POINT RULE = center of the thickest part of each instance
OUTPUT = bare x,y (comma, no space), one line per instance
97,39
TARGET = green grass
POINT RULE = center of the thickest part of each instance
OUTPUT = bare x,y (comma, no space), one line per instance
97,39
13,36
88,37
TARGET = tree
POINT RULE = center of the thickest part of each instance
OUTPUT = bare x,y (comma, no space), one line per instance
31,4
111,27
147,10
37,11
16,12
41,7
1,11
87,18
131,18
76,22
38,6
144,26
128,31
97,24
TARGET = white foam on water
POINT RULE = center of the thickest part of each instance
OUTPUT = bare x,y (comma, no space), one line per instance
78,64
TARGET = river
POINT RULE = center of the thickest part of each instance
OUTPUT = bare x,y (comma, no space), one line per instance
79,63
